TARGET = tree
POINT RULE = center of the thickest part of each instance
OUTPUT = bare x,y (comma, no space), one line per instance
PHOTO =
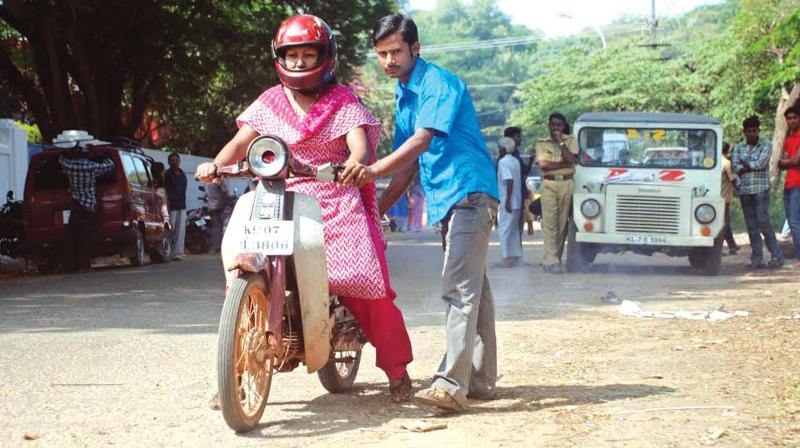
453,35
187,65
770,33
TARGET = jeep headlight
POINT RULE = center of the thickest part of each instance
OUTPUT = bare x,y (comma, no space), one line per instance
590,208
705,213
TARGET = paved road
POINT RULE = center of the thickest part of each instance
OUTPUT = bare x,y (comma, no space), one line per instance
126,355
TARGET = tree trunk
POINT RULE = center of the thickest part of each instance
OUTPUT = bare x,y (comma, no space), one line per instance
779,135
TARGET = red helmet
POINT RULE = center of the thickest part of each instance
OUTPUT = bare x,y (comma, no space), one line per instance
310,30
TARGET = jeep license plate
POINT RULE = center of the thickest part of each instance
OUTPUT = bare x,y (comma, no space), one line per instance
651,240
267,237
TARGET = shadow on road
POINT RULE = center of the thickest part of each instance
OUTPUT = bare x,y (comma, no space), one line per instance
177,298
368,407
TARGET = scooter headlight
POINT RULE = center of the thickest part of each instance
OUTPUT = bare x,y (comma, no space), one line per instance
705,213
268,157
590,208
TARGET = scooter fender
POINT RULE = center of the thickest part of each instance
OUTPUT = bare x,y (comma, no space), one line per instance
310,270
311,273
229,250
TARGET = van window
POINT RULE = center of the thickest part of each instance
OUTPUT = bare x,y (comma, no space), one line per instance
130,169
48,175
648,148
142,171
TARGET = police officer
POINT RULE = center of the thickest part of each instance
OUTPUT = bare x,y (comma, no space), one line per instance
556,156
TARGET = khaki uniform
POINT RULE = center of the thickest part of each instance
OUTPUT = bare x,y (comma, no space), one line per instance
727,181
728,178
556,197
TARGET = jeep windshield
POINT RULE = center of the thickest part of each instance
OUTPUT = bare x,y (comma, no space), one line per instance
647,148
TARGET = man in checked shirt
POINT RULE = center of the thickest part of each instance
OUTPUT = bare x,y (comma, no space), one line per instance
750,160
82,171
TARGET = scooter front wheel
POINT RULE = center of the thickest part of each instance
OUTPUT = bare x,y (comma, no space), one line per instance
246,353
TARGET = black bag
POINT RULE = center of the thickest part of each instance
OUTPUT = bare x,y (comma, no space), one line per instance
536,207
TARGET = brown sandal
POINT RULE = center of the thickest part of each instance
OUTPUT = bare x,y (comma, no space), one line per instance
401,390
438,398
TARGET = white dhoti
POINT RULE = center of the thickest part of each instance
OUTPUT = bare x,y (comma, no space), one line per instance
508,230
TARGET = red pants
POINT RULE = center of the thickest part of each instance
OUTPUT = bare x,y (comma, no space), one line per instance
383,325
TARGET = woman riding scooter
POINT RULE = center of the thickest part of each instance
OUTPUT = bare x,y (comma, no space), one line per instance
323,121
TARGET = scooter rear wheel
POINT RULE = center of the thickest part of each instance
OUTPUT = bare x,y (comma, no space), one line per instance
246,353
339,374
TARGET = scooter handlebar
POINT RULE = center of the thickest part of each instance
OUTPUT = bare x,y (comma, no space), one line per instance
327,172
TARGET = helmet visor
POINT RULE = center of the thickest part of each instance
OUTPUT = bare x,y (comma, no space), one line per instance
300,57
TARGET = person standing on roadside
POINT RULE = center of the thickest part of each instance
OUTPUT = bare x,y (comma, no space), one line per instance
175,183
728,178
515,133
750,161
82,167
509,215
216,201
790,161
557,156
437,133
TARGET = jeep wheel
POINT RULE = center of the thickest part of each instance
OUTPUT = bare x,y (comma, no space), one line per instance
161,252
137,259
712,260
578,254
46,268
709,259
696,257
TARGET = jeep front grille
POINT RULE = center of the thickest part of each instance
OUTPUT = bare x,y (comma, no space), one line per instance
648,214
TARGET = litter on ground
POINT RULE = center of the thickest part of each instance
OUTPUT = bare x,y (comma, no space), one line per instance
635,309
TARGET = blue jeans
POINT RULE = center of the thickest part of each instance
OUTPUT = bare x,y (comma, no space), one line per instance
791,206
756,216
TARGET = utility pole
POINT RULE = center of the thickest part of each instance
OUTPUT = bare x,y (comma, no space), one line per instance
653,24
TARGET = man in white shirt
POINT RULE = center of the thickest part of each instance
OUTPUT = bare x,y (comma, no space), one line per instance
510,209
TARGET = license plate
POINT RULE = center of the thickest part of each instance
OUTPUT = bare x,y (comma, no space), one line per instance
267,237
653,240
65,216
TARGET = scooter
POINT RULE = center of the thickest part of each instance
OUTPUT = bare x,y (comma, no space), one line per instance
198,231
278,312
11,228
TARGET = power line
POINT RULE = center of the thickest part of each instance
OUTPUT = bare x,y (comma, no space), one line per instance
516,41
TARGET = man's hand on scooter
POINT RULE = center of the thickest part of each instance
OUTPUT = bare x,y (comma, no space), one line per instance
356,173
207,172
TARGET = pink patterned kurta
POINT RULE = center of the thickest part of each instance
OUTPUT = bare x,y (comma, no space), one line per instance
354,245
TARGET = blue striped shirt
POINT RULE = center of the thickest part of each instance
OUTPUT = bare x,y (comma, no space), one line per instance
457,161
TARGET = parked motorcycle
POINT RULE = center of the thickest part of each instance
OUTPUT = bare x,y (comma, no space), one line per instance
11,228
278,312
198,231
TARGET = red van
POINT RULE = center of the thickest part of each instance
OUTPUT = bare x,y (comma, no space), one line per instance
129,221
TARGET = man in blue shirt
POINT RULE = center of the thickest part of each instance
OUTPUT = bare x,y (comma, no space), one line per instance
437,134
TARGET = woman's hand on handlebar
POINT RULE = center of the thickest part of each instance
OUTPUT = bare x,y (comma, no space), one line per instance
356,173
206,172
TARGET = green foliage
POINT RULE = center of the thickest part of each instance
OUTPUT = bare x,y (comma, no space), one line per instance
185,68
491,73
33,133
202,100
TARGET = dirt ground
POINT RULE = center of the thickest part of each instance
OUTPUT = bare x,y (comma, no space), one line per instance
110,358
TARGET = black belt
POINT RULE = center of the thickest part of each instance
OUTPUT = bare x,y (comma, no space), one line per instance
557,177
